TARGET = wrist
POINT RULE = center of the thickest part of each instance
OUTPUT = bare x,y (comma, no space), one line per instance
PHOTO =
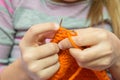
115,70
15,71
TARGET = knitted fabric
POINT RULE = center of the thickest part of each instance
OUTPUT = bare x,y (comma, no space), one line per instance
69,69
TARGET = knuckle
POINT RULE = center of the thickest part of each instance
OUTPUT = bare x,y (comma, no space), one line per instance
56,57
106,62
27,57
78,40
32,68
109,48
32,30
53,47
103,35
51,24
82,58
44,74
57,66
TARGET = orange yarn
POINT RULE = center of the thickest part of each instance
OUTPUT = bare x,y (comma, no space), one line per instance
69,69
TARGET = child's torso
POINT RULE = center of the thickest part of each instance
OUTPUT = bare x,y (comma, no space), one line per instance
30,12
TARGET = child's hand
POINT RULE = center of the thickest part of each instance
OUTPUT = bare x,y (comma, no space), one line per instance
40,59
102,48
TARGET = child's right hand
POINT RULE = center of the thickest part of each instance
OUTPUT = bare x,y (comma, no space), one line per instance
41,60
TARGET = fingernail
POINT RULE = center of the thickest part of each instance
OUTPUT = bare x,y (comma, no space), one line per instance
56,26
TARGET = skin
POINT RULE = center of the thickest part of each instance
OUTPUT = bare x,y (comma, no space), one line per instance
37,58
14,71
45,58
103,51
40,58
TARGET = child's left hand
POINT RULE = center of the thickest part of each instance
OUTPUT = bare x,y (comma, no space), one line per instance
102,50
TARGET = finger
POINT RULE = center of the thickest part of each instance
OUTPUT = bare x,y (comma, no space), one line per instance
81,42
44,63
37,30
42,38
99,64
85,37
41,51
52,70
90,54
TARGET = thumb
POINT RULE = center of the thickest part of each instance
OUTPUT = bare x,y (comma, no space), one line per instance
36,32
76,53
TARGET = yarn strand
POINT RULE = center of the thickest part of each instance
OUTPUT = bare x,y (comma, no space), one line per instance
69,69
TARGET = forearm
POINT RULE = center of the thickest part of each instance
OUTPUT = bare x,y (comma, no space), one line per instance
14,72
115,70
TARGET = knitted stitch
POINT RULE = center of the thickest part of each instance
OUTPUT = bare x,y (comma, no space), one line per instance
69,69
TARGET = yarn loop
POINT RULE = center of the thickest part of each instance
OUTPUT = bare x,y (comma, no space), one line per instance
69,69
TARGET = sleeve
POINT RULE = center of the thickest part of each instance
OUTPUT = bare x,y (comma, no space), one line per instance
7,31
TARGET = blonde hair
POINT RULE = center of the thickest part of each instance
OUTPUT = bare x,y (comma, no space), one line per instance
95,14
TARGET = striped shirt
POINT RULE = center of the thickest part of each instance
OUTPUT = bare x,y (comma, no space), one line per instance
17,16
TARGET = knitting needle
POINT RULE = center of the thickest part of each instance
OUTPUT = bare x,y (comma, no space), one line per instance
61,22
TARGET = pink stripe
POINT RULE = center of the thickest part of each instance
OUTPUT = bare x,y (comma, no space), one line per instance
10,0
1,69
2,2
